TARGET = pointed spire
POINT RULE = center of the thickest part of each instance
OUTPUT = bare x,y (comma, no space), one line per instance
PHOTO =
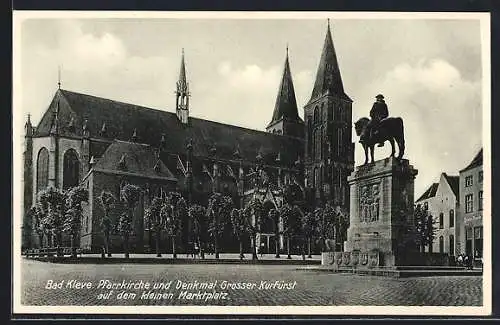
122,164
71,124
58,77
182,73
103,129
328,78
157,166
85,128
28,127
55,123
134,135
286,103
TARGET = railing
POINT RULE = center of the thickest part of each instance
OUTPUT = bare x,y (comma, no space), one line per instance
52,251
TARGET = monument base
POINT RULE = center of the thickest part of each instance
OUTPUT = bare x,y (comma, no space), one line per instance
381,230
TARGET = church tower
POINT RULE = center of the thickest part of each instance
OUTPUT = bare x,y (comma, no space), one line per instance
182,95
286,120
329,156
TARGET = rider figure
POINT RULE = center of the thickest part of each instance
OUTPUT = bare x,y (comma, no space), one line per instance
378,112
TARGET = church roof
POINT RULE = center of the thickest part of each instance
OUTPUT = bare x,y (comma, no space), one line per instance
477,161
286,103
429,193
122,119
328,78
133,159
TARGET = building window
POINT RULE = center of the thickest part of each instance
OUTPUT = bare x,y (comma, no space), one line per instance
480,176
316,115
468,241
468,203
339,142
480,201
309,136
452,245
468,181
42,170
71,171
441,220
452,218
426,206
441,244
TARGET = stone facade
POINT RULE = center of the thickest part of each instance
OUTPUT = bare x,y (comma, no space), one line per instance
381,212
442,203
471,207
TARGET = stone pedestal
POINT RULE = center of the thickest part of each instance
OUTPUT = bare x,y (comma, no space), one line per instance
381,231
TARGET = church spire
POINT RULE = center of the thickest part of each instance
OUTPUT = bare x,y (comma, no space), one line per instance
328,78
286,104
182,94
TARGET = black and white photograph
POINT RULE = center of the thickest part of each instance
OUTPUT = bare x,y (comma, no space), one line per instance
309,163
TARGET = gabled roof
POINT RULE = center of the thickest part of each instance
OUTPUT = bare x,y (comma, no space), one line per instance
454,182
477,161
133,159
286,103
429,193
122,119
328,78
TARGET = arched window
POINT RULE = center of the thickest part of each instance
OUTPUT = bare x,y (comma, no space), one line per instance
71,169
452,218
42,170
309,136
452,245
441,244
441,220
316,115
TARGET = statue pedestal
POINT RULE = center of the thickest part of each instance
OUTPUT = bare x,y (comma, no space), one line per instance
381,231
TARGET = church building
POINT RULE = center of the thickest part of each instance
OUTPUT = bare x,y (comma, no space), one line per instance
104,144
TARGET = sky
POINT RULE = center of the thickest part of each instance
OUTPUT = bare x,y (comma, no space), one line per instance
429,70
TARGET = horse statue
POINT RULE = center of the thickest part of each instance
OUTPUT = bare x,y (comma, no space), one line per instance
389,129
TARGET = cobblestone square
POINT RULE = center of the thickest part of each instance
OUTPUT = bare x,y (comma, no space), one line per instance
251,285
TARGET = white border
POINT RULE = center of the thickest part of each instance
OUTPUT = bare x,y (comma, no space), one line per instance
18,122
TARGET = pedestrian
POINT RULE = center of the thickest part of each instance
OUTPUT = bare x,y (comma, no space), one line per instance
261,249
460,260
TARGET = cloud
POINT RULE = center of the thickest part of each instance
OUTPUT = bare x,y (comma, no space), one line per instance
243,95
439,108
99,65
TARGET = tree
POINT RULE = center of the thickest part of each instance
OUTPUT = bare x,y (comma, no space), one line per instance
253,218
173,211
72,223
38,226
131,195
326,225
240,228
219,214
424,227
52,204
309,230
287,216
198,216
274,216
107,200
154,215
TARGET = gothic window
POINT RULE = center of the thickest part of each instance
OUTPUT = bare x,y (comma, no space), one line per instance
452,218
316,115
71,169
316,178
42,170
452,245
441,244
339,142
309,135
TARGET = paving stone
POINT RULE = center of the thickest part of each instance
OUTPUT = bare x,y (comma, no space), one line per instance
313,288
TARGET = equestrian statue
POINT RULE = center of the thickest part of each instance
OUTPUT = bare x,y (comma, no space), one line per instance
380,128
